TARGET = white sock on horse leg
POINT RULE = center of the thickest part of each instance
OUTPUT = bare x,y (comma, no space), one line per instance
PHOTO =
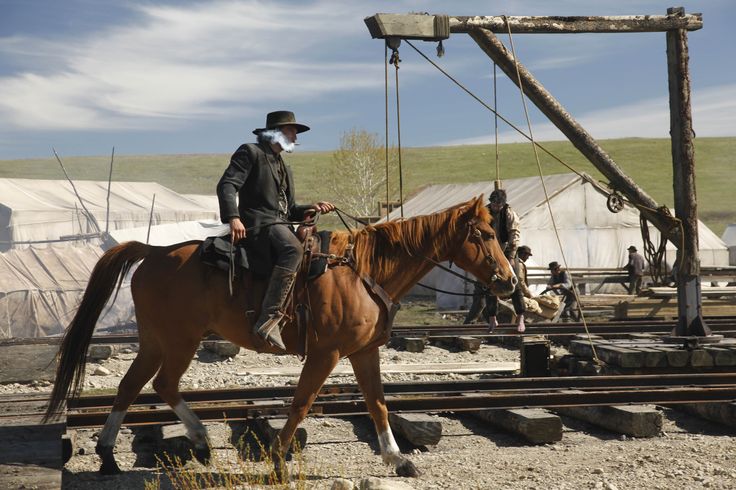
389,449
109,432
195,429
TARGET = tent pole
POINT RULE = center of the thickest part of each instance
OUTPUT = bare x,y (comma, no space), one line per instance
109,184
150,219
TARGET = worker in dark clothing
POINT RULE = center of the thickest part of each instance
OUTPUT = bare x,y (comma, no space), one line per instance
560,283
256,193
635,268
505,223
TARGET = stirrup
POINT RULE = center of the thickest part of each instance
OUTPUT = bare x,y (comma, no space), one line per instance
270,330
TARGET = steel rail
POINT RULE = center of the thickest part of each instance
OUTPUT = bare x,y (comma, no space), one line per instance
336,392
455,402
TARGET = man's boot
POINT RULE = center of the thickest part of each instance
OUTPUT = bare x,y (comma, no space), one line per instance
268,325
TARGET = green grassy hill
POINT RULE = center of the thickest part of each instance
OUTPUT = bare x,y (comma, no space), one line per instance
647,161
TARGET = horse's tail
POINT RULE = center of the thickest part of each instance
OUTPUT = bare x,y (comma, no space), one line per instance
106,278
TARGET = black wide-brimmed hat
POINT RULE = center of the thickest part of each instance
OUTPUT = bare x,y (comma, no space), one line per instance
277,119
524,249
553,265
632,249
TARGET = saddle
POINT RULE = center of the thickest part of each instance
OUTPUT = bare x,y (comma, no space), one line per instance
219,253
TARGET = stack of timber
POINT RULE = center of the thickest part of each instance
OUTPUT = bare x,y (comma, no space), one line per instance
650,355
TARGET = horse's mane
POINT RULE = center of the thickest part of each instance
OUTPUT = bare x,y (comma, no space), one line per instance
378,246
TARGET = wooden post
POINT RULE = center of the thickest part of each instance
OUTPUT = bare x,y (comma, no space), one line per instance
690,319
577,135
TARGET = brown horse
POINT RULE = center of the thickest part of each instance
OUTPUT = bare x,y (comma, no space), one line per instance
178,300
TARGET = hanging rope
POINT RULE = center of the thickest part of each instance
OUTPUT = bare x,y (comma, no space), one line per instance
395,60
654,255
385,84
495,121
546,194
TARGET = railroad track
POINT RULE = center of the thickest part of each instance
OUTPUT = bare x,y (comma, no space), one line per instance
724,325
345,399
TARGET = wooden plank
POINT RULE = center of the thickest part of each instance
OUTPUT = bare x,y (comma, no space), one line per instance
270,428
420,429
31,452
721,356
468,344
700,358
21,363
722,413
408,26
635,420
536,425
413,344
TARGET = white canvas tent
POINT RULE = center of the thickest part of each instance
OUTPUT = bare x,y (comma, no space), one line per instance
172,233
40,290
729,238
44,210
591,235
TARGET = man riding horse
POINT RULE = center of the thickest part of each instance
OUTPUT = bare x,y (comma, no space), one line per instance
264,187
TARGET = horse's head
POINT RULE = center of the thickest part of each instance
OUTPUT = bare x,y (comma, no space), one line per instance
480,253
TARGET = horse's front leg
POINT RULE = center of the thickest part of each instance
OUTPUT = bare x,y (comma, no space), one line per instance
367,368
317,367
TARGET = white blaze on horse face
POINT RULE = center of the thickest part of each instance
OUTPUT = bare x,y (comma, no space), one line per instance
109,432
389,449
195,430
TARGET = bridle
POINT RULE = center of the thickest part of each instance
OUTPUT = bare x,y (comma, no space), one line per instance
475,233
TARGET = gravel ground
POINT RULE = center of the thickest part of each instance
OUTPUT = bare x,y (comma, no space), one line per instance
690,453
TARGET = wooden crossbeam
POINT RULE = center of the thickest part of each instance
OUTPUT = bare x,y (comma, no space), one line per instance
576,24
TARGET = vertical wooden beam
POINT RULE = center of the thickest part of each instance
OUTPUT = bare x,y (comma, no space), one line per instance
577,135
690,320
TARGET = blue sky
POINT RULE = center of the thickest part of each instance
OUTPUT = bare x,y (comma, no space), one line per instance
163,77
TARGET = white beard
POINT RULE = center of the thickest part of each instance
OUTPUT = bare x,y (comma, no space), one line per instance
276,136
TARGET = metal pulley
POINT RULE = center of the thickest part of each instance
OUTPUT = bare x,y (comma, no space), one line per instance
615,202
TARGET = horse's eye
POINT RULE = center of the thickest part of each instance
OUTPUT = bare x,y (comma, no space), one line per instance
487,235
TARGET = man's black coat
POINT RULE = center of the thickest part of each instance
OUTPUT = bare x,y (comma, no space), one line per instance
253,177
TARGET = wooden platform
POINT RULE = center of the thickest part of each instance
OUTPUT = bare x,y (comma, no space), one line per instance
31,452
652,355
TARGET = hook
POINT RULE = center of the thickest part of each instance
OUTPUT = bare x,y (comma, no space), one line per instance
440,49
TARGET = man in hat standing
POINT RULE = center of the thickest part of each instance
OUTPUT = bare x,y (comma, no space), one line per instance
635,268
256,197
505,223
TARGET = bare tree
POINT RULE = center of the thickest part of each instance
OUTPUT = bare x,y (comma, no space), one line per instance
358,173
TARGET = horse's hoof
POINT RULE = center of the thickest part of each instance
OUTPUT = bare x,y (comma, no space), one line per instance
280,473
203,455
407,469
109,466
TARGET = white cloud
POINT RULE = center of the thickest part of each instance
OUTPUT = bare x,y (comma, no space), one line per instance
177,63
713,112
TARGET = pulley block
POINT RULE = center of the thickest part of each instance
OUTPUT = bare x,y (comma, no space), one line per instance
615,202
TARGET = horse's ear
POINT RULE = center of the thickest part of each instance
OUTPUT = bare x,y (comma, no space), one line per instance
476,204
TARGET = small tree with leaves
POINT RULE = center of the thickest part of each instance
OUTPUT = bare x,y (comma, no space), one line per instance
358,172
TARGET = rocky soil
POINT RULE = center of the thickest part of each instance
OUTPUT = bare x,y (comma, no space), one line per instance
690,453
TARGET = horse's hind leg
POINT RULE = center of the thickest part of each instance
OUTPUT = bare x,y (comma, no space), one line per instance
142,369
367,368
176,361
